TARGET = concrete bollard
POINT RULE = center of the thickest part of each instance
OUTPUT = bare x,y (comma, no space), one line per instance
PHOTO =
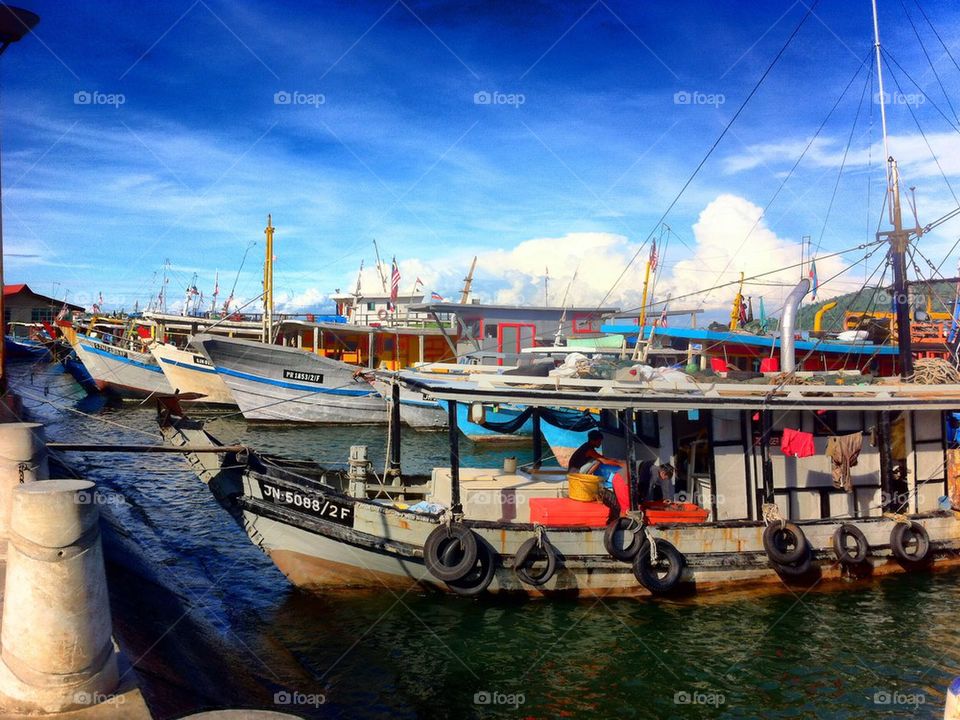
23,458
56,637
952,709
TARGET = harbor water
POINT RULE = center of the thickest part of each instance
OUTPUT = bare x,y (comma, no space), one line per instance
209,622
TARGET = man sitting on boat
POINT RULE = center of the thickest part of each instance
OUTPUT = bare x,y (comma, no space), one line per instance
587,459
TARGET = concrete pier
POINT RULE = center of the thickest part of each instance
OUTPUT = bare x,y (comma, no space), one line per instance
23,459
58,653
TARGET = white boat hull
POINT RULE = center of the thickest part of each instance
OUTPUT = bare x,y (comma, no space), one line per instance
282,384
127,373
191,372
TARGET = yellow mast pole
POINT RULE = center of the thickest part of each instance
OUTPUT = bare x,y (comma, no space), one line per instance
643,303
737,301
268,284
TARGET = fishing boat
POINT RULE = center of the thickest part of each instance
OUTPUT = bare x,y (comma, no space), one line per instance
27,341
763,515
191,373
288,384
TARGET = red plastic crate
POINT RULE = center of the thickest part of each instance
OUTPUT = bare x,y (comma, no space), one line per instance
661,513
565,512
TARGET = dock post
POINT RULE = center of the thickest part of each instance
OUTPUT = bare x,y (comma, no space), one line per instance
56,635
23,458
537,440
395,432
454,435
766,429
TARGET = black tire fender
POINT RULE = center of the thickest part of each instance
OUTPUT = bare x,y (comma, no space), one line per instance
777,535
479,577
646,571
436,550
843,552
530,552
796,569
901,536
624,554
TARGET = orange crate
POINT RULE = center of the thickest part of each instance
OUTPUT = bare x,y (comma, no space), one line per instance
663,513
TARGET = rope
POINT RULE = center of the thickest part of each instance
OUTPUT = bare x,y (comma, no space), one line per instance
898,518
772,514
934,371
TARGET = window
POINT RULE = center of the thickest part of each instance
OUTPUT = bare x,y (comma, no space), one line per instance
41,314
584,324
371,306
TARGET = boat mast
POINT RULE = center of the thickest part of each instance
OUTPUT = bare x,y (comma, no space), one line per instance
467,282
268,284
897,237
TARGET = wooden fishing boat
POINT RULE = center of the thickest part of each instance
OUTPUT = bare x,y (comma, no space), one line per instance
770,518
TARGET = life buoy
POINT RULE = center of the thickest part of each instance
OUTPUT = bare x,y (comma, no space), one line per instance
910,543
458,564
799,567
616,549
784,542
659,576
529,553
845,554
479,577
382,314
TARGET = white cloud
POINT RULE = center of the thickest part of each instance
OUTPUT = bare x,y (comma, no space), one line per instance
730,237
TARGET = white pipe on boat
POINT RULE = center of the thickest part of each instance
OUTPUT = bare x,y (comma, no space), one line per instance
23,458
56,637
788,325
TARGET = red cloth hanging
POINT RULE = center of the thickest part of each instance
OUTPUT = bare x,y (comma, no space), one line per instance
796,443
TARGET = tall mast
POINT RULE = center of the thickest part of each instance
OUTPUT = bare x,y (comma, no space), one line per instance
883,100
467,282
897,237
268,284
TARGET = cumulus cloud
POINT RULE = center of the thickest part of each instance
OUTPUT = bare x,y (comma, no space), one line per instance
309,300
730,236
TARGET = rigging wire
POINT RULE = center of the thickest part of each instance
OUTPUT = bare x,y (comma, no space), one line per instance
923,134
923,47
843,163
703,161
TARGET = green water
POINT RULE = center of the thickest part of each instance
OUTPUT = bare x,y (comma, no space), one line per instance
211,623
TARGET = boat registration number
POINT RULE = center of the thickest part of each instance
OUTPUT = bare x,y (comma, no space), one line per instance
317,505
303,376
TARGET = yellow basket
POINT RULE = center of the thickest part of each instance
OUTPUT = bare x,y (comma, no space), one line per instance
583,487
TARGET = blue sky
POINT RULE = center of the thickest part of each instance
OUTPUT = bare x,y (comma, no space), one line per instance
536,135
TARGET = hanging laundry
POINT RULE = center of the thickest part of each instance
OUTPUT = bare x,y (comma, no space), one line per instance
843,451
796,443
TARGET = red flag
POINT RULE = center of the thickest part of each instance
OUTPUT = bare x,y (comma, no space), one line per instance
663,317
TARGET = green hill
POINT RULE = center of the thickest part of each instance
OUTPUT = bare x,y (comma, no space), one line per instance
941,293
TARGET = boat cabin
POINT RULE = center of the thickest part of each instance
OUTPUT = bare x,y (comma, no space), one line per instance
497,334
